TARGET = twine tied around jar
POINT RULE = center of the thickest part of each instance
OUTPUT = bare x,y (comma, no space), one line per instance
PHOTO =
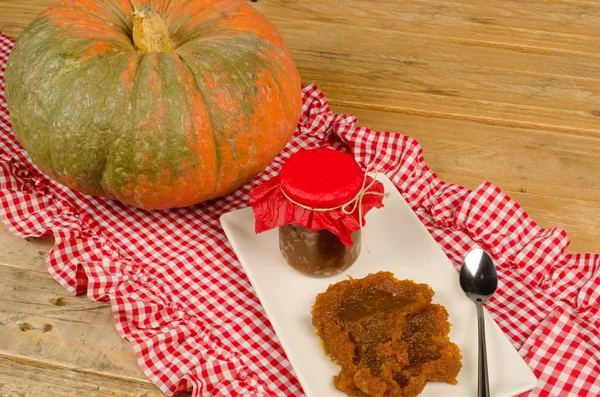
356,201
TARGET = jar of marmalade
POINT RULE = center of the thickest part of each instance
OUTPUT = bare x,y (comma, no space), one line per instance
318,202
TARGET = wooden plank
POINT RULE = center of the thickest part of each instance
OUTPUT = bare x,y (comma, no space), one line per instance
567,25
564,25
549,174
539,162
16,15
455,108
25,253
443,78
41,321
21,377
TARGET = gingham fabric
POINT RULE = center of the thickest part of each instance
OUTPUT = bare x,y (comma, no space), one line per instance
181,298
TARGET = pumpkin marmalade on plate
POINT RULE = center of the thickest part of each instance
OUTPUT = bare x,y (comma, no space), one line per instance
386,335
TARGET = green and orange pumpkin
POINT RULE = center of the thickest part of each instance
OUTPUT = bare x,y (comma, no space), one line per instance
156,103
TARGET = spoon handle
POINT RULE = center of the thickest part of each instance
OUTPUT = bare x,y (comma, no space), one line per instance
483,387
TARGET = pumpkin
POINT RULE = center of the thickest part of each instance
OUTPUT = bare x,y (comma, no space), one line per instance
158,104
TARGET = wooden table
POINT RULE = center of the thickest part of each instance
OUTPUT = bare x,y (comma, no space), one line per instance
500,90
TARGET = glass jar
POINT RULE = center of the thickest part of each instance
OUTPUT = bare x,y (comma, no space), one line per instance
322,190
318,254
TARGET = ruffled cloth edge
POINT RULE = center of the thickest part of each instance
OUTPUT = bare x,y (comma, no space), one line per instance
104,274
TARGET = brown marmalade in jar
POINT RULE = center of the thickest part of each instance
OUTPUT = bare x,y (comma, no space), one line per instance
322,190
319,253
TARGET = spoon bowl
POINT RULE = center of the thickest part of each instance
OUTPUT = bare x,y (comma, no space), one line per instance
479,281
478,277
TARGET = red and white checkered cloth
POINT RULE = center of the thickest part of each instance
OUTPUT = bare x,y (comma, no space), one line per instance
181,298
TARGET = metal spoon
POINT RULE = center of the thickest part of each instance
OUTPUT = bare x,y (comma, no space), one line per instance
479,280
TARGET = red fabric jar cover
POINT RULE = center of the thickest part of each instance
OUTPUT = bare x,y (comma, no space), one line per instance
318,183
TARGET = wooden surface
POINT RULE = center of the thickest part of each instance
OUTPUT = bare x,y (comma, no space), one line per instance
500,90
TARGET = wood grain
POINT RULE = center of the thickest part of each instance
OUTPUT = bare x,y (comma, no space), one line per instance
24,253
447,60
16,15
442,78
40,320
561,25
27,378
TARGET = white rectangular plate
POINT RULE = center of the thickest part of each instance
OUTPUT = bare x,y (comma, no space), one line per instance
399,243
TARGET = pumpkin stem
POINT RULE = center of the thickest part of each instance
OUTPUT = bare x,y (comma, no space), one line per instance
150,31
